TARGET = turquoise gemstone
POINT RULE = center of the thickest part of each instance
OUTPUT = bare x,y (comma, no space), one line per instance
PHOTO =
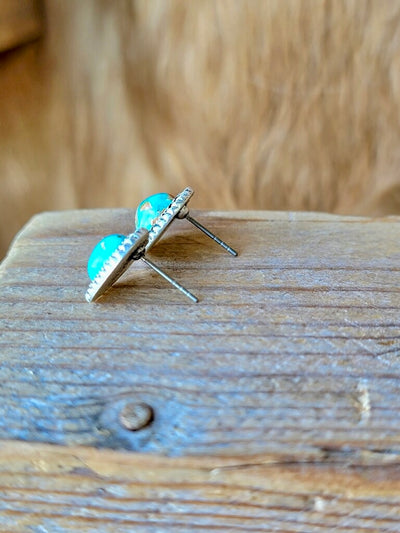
101,252
151,208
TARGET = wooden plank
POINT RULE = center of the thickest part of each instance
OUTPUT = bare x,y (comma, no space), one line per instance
21,21
278,394
291,353
57,489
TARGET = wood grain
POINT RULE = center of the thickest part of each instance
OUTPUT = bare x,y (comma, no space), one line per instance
293,349
275,399
21,21
57,489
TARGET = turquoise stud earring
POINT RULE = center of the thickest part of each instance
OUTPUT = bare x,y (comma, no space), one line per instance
113,255
157,212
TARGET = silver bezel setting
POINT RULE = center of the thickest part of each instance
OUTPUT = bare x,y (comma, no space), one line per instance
162,222
130,249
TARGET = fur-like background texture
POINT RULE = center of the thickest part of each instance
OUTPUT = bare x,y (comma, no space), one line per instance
269,104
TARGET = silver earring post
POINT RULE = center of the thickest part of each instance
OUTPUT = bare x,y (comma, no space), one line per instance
172,281
211,235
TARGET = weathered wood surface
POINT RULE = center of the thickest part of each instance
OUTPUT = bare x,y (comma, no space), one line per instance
288,368
57,489
20,21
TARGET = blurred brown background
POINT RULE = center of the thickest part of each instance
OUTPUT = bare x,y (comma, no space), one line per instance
278,104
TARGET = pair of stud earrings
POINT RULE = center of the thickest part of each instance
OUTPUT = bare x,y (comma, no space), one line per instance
114,254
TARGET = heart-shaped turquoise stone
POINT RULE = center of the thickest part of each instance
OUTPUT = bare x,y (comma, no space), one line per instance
101,252
151,208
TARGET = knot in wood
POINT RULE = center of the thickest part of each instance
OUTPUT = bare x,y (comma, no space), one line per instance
135,416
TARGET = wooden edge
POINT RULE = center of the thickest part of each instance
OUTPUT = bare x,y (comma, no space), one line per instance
61,217
61,220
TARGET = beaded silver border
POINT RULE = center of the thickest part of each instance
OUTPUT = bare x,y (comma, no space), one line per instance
162,222
131,248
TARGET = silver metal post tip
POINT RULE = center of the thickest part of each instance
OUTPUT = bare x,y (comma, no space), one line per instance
211,235
182,289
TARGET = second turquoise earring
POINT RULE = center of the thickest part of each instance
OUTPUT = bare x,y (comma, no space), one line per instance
157,212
